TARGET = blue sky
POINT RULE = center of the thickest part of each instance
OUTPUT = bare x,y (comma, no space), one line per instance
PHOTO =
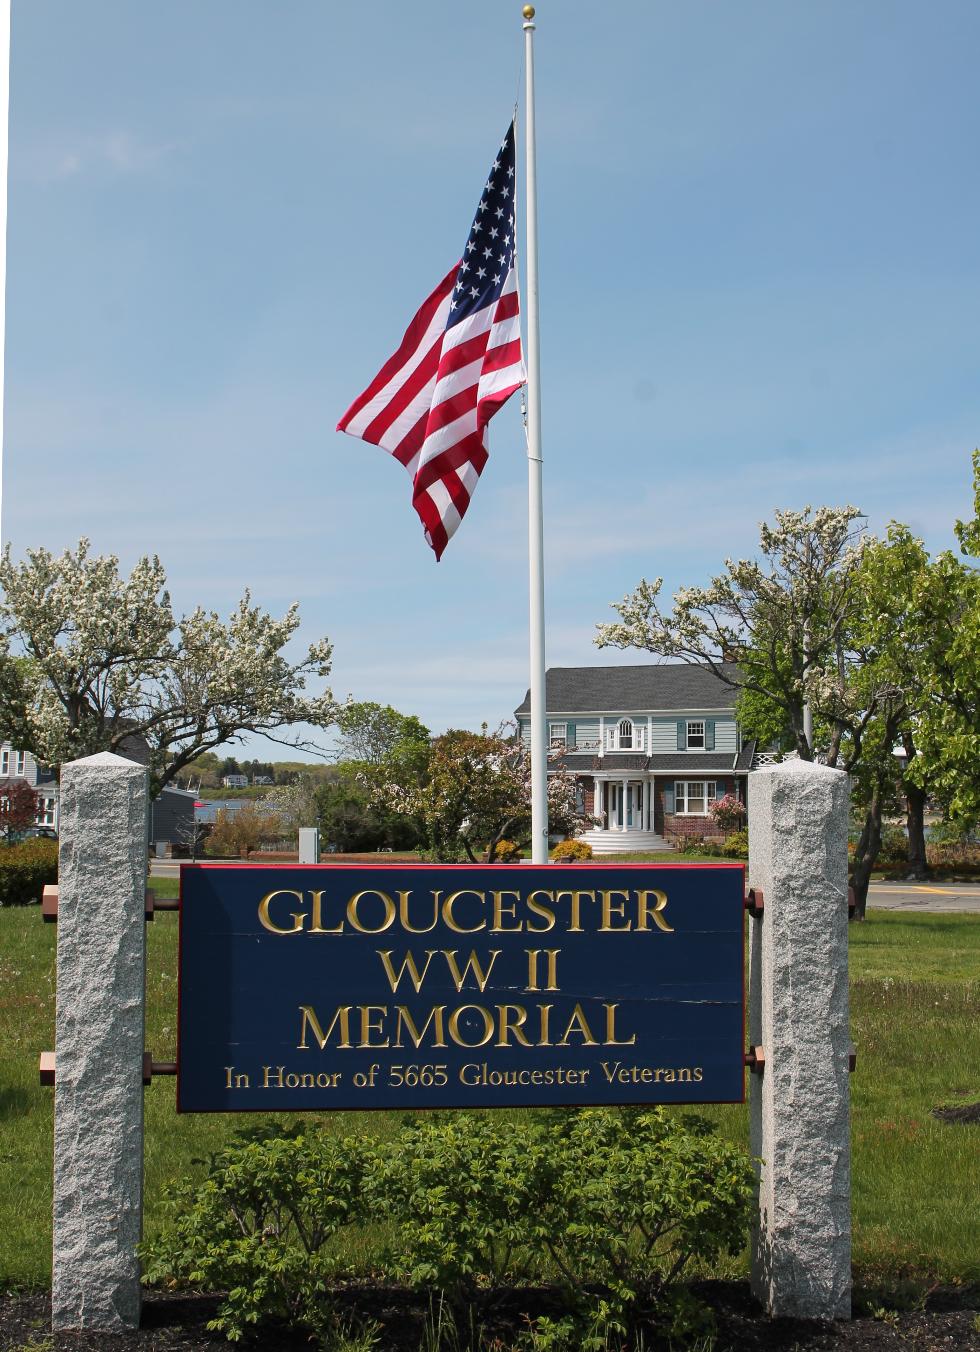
759,288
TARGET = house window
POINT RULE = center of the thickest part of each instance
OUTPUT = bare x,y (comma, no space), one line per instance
695,734
558,736
692,796
626,735
5,764
45,812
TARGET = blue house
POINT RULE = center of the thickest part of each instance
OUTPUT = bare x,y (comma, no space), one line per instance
651,747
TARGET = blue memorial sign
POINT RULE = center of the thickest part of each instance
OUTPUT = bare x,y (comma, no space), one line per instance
432,986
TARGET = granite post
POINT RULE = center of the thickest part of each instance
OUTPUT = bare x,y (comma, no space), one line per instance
799,1107
98,1108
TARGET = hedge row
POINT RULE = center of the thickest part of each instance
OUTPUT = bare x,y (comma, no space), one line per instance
25,869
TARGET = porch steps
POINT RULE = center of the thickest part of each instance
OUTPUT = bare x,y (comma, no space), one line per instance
623,842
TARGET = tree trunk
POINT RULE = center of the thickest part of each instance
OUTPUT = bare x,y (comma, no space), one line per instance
915,818
865,856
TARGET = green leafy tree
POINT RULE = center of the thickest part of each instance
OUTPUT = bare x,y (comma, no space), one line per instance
947,733
94,661
775,630
372,734
829,618
474,793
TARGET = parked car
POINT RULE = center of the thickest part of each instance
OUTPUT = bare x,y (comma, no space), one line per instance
39,833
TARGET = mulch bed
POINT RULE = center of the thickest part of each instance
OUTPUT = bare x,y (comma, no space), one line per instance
176,1323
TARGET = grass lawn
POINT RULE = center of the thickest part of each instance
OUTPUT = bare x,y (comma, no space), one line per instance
915,982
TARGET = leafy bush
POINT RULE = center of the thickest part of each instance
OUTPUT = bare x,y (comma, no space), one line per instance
571,850
507,852
257,1228
736,845
615,1204
963,856
25,869
894,847
462,1191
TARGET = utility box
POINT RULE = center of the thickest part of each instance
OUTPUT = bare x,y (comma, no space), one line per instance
309,845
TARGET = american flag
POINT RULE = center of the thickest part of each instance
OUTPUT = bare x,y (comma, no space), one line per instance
459,361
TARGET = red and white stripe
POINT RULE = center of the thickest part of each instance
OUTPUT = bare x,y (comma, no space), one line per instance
430,403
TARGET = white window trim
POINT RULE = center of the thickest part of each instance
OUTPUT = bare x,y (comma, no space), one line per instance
703,734
4,764
638,737
558,740
684,797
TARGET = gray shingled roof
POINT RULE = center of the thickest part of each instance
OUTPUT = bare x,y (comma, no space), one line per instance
640,689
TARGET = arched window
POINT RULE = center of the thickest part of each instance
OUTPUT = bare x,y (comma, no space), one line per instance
626,735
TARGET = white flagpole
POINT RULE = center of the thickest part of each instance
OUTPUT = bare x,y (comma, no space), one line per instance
4,111
539,739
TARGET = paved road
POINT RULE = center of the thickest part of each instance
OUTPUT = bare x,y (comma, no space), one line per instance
963,897
924,897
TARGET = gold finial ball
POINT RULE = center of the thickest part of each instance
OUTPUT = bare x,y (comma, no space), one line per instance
528,11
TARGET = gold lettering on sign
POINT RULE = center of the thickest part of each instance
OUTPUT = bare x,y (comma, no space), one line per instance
611,909
311,1022
543,912
454,1031
372,1021
404,1020
532,968
512,1020
575,919
450,919
645,911
480,976
409,964
266,919
317,926
578,1023
403,913
353,911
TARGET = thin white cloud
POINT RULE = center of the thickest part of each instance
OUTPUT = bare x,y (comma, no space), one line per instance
114,152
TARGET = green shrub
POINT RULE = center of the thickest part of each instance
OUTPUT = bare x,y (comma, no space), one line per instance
736,845
894,847
616,1203
257,1228
507,853
612,1204
461,1190
25,869
637,1196
571,850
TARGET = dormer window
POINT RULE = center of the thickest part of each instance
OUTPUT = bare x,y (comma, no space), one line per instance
626,735
695,734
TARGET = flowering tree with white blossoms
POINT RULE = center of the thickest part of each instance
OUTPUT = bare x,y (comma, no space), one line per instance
863,630
776,628
474,793
92,661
